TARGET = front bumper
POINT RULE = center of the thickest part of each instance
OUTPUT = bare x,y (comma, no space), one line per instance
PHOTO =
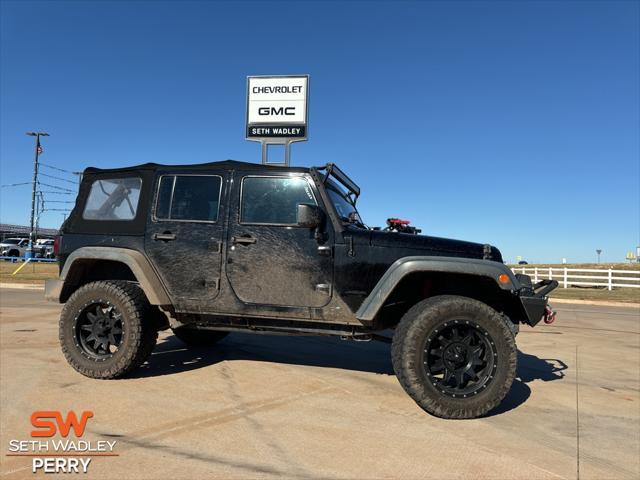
535,301
53,289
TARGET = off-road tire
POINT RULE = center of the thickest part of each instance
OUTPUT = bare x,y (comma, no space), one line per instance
140,328
407,352
199,338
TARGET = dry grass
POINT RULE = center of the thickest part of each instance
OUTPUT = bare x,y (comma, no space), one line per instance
31,273
627,295
599,266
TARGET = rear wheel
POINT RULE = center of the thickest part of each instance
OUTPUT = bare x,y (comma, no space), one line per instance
455,356
107,329
199,338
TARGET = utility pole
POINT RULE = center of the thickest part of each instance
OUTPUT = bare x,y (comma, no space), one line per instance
29,253
39,211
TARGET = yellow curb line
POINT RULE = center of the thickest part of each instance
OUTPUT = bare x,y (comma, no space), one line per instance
21,266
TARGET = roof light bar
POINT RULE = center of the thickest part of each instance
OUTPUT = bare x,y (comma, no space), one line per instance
332,169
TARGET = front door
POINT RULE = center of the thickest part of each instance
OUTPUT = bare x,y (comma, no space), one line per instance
271,260
184,236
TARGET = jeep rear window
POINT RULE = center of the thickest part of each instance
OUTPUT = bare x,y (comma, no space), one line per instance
113,199
274,200
188,198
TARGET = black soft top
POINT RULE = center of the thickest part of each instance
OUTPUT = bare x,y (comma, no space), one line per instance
224,164
75,223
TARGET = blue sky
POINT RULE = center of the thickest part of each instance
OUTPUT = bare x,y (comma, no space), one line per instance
514,123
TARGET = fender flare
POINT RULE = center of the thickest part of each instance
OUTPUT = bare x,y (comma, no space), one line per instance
135,260
407,265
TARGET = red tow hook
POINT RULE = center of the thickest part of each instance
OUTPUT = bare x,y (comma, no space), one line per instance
549,315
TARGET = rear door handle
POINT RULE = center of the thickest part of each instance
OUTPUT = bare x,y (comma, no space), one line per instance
243,240
165,237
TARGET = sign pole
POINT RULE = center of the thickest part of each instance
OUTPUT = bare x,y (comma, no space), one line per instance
287,153
265,153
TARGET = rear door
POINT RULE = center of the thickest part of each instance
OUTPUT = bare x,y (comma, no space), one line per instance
184,236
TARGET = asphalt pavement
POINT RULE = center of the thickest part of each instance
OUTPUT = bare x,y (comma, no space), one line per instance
260,406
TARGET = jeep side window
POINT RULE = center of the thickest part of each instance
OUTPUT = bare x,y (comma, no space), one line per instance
113,199
193,198
273,200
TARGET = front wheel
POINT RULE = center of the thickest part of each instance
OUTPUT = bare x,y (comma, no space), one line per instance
455,356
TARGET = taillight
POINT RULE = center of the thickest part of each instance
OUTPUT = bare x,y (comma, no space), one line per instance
57,243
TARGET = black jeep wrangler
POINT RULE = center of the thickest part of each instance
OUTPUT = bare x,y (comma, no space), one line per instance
232,246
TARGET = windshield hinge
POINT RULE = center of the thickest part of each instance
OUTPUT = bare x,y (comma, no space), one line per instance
350,252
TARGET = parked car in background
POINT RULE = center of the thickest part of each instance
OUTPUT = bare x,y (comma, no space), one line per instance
13,247
44,248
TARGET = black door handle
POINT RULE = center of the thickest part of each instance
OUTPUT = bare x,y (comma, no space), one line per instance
243,240
165,237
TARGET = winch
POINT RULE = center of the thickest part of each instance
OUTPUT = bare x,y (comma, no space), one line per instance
401,226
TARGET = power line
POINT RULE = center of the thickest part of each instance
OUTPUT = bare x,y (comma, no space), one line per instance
58,178
58,168
15,184
56,187
38,202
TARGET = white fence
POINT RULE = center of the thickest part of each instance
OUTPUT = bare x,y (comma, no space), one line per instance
568,277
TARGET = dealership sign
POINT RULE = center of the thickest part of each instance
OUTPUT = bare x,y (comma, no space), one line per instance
277,109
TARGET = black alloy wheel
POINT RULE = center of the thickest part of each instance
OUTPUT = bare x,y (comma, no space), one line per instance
460,358
99,330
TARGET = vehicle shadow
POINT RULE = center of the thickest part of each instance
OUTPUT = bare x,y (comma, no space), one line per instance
171,357
530,368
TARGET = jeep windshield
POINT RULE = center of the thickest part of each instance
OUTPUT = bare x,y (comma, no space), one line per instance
345,204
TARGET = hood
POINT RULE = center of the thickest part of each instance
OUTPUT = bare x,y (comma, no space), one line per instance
436,246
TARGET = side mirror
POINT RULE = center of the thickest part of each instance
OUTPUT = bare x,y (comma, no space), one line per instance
310,216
